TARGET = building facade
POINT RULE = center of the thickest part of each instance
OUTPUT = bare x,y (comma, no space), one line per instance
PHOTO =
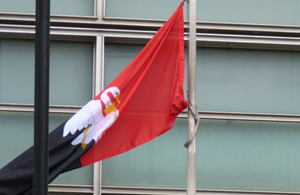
248,94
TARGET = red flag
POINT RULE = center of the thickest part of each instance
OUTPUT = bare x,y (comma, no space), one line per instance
150,93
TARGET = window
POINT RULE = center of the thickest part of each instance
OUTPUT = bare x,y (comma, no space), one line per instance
58,7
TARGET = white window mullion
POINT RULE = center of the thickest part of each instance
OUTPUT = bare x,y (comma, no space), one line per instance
97,88
99,9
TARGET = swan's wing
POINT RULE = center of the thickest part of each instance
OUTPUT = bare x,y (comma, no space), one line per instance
80,120
90,114
78,139
96,131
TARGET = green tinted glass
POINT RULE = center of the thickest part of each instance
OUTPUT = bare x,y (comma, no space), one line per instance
57,7
240,155
256,81
71,65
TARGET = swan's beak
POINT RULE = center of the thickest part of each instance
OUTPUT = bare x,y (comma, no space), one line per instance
117,98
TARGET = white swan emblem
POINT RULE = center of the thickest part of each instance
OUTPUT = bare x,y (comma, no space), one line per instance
94,118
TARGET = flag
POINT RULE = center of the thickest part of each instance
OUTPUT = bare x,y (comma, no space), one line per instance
140,104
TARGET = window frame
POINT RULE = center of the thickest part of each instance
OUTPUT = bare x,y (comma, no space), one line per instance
99,36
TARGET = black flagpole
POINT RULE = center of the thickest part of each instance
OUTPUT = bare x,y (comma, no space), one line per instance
41,102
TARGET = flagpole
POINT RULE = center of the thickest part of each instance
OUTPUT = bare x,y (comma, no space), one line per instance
41,104
191,151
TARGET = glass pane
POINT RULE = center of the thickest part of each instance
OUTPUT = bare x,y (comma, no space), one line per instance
240,155
57,7
117,57
159,163
280,12
143,9
16,135
71,65
256,81
71,71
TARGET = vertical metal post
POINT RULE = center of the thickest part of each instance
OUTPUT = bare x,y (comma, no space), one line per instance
98,86
191,154
41,103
